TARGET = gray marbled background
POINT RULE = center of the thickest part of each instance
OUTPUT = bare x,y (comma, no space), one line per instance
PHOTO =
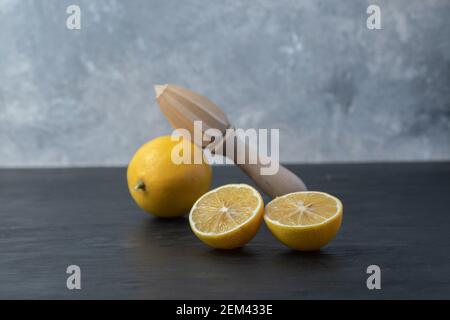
337,91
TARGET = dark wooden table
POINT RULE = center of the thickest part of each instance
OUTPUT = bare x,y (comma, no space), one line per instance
396,216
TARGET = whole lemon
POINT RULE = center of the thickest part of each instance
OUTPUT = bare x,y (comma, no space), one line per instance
164,187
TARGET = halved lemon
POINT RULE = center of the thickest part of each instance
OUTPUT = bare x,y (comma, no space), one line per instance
304,221
227,217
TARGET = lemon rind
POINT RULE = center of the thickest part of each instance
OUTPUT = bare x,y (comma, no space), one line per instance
299,226
237,185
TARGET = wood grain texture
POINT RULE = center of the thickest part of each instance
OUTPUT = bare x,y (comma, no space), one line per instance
395,215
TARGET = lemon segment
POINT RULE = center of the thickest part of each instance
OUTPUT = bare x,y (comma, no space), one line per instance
304,221
227,217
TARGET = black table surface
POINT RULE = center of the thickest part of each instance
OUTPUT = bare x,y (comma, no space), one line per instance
396,216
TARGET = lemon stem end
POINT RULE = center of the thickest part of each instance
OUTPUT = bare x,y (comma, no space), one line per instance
140,186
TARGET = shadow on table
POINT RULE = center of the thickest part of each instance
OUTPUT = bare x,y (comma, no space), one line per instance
171,240
244,252
327,259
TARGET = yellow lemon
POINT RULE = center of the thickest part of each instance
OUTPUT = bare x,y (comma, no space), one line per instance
227,217
162,187
304,221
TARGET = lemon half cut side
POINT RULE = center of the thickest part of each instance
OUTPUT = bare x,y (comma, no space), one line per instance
304,221
227,217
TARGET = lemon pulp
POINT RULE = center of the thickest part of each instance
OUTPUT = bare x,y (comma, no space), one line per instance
227,217
304,220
